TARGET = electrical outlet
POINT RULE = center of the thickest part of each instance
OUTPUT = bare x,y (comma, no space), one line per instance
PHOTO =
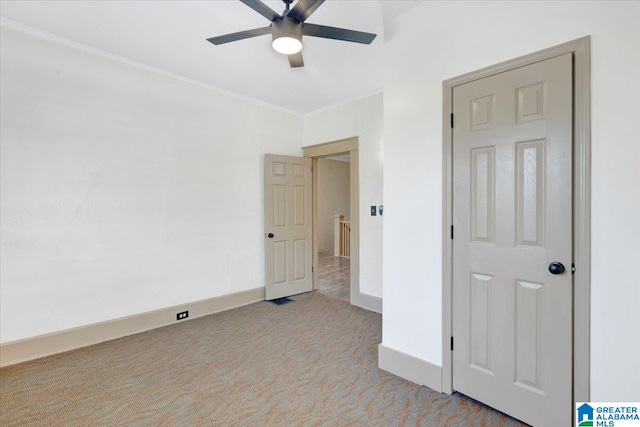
182,315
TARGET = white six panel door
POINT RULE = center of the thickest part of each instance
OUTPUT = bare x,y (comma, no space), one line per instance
287,219
512,207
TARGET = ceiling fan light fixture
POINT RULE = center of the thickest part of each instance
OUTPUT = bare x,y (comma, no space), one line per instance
287,35
287,45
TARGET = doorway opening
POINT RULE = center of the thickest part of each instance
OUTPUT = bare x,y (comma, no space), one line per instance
334,226
317,153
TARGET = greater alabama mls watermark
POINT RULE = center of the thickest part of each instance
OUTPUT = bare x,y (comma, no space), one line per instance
608,414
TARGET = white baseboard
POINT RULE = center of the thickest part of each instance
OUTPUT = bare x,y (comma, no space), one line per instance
27,349
410,368
368,302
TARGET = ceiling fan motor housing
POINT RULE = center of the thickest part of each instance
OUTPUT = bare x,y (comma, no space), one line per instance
286,27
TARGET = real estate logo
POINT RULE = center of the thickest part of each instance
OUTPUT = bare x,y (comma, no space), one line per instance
585,415
607,414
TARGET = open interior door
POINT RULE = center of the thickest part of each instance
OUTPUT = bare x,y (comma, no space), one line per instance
287,219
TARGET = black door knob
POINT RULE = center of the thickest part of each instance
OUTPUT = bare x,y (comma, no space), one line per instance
556,268
270,235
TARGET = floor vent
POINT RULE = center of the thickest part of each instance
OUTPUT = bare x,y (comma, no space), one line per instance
281,301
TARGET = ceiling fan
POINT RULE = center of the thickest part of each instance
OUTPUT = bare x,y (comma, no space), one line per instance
287,29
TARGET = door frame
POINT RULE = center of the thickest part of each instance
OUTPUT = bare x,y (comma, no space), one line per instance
329,149
581,50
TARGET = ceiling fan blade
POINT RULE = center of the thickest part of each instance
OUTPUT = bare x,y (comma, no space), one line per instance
295,60
304,8
262,9
337,33
240,35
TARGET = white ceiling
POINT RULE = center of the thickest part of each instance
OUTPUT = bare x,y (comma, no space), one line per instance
171,36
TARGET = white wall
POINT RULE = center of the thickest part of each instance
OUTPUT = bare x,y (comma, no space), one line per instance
439,40
333,199
361,118
124,190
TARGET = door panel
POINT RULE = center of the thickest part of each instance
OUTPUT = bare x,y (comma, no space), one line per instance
530,193
512,177
480,324
288,213
482,194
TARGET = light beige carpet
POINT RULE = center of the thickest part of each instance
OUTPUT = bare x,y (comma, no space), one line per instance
312,362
